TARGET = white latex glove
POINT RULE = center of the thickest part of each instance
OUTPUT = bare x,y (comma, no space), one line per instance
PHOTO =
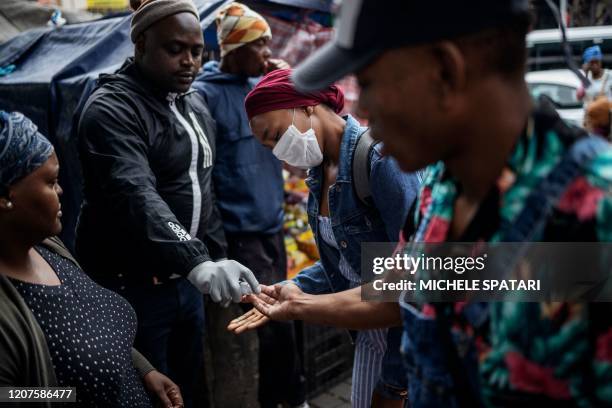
225,281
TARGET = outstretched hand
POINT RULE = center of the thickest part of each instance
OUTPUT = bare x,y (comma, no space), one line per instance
272,303
277,302
252,319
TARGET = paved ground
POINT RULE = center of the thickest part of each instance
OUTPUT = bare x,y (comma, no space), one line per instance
337,397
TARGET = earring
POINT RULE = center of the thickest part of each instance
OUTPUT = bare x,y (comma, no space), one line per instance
9,205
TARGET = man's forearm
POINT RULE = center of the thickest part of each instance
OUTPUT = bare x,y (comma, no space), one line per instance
346,310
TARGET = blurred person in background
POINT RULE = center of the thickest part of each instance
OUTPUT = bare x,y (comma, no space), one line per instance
58,327
601,82
598,96
248,183
307,132
149,227
597,117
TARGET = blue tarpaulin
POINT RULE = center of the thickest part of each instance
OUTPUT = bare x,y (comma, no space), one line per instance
55,69
320,5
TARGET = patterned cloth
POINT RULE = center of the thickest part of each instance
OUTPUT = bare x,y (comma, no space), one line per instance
22,148
552,351
238,25
294,41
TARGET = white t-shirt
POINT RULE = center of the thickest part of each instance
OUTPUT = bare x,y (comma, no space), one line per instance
595,89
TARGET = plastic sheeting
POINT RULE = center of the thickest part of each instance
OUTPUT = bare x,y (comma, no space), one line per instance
56,70
320,5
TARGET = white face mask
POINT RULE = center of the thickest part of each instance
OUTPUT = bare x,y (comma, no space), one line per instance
299,149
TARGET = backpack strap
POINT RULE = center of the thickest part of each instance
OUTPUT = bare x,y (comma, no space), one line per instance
54,244
362,166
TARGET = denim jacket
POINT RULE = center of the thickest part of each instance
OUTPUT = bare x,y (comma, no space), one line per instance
393,193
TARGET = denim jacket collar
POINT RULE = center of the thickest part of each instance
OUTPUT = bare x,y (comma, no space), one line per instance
347,148
349,141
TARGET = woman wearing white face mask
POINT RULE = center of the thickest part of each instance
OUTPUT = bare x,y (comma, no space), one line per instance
306,131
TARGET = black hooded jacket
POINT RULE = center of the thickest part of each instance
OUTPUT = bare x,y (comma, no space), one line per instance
149,210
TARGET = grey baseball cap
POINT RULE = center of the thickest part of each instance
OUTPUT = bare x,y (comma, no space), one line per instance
366,28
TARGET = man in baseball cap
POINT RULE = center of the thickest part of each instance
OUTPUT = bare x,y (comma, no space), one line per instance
442,84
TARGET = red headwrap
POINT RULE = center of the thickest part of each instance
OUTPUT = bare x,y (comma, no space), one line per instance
276,91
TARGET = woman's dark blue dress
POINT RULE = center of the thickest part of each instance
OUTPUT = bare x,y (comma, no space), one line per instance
90,332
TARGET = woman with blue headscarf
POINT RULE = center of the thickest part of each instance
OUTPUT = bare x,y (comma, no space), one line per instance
601,79
57,327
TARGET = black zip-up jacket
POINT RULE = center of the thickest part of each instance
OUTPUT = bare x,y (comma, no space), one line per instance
149,210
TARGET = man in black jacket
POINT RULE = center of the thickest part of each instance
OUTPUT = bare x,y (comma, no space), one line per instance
149,227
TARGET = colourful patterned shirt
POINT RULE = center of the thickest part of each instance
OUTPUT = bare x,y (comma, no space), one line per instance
556,351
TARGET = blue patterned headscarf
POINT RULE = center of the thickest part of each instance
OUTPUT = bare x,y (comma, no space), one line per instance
22,148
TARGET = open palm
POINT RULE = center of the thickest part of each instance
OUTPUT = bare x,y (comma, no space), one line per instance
273,303
281,307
